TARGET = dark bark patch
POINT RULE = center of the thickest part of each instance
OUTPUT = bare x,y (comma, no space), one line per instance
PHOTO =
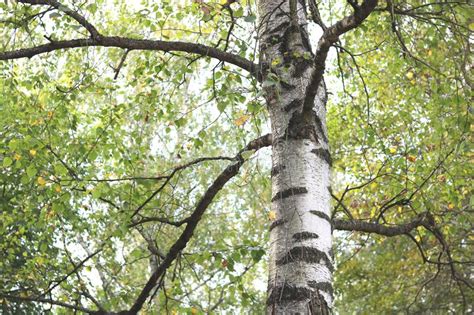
301,127
293,104
288,293
323,154
322,286
289,193
319,126
321,214
277,169
286,85
301,65
304,236
277,223
318,305
306,254
276,30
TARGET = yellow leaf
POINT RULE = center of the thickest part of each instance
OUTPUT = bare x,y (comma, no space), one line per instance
17,156
411,158
33,152
430,52
393,150
41,181
450,206
57,188
241,120
272,215
410,75
194,310
50,214
40,261
275,62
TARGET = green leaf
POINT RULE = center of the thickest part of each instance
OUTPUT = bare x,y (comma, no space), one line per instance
31,171
7,161
221,106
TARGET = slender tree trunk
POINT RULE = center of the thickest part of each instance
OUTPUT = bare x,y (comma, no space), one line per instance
300,267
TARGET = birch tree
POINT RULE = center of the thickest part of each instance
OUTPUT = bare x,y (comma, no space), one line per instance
124,123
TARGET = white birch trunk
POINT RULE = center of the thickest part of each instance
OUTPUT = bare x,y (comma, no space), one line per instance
300,267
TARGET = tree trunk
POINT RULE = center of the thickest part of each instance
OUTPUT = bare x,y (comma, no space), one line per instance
300,267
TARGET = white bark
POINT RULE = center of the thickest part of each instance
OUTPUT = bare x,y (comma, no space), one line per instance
300,267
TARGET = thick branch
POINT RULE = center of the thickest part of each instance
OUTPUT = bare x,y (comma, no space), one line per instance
226,175
381,229
134,44
329,37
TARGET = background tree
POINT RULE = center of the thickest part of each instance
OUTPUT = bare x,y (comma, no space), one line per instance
131,178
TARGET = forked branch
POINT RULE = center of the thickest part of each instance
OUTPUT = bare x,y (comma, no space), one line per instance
330,37
227,174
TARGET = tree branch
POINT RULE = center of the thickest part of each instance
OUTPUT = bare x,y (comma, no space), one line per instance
226,175
135,44
381,229
329,37
47,301
73,14
175,170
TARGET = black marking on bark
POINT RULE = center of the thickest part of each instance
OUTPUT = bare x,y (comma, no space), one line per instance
288,293
329,189
286,85
277,223
301,65
319,126
318,305
322,286
322,215
294,104
281,13
306,254
277,30
301,127
306,41
323,154
277,169
331,254
304,236
285,49
290,192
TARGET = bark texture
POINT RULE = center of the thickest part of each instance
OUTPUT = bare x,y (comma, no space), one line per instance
300,267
